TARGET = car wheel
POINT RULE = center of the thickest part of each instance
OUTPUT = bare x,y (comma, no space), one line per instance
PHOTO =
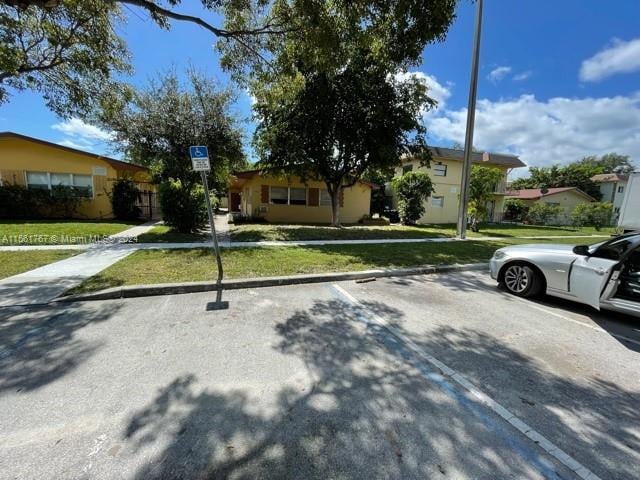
522,280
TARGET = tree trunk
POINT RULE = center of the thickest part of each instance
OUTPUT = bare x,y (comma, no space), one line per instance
335,206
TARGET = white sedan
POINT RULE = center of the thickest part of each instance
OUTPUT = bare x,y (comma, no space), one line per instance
604,275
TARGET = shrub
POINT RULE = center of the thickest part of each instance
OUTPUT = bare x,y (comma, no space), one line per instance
596,214
17,201
412,190
392,215
515,209
183,208
124,196
540,213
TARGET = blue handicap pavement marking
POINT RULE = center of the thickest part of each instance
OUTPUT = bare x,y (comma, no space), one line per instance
199,152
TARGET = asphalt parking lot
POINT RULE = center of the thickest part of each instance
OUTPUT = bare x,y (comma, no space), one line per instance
438,376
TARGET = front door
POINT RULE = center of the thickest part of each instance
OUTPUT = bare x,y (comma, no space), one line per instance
235,202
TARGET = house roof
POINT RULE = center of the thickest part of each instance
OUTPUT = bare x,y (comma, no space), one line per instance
609,177
502,159
117,164
536,193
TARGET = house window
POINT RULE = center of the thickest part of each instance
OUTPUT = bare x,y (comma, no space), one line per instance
616,210
38,180
279,195
83,184
407,168
49,181
437,202
325,198
297,196
620,189
440,170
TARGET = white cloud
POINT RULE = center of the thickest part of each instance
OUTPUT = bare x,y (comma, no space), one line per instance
619,57
498,73
522,76
439,92
78,146
542,133
76,128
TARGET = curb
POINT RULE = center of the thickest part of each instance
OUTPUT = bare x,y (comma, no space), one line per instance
132,291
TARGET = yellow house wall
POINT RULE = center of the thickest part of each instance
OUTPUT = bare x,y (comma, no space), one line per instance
357,200
449,188
568,201
18,156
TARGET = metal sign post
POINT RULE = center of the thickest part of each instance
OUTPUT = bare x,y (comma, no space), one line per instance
200,160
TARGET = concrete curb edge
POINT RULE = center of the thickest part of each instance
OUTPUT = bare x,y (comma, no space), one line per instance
132,291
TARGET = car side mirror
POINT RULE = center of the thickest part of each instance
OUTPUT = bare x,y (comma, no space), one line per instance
582,250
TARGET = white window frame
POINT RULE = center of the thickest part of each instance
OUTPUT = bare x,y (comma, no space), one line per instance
271,202
306,196
71,178
440,200
443,173
320,204
620,188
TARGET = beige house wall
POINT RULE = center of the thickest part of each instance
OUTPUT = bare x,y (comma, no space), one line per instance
356,203
448,187
567,201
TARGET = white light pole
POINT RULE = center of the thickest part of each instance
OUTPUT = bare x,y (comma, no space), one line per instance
468,138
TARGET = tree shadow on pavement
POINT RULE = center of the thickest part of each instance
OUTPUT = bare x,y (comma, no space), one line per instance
364,412
590,418
38,344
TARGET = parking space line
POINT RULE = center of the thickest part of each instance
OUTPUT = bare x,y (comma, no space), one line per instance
573,320
470,396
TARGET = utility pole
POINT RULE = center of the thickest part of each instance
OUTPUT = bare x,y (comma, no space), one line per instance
471,116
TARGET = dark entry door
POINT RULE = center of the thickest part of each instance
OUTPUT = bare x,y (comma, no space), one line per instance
235,202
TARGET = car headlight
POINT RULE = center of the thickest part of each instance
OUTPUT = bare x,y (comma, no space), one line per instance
499,254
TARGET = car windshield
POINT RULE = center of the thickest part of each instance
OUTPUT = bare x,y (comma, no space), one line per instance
616,247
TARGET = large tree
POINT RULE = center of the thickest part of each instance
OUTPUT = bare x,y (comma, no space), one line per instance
68,51
482,187
161,121
333,98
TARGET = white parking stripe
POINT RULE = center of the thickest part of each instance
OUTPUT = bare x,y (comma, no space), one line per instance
548,446
573,320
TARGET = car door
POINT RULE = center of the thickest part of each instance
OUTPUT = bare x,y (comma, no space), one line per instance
589,276
591,272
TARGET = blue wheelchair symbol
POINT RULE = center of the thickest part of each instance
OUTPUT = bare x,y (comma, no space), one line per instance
199,152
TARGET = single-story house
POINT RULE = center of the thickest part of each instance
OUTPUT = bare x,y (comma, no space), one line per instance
290,200
445,171
39,164
567,198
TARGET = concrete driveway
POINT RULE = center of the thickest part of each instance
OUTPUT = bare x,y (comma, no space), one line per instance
439,376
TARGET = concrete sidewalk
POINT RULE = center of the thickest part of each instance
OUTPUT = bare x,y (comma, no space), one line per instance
134,232
292,243
48,282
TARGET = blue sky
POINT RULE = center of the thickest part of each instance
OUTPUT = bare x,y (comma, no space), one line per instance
558,79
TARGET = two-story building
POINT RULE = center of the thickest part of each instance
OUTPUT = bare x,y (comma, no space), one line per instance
612,187
445,170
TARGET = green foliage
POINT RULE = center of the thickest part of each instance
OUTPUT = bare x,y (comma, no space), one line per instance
335,98
595,214
540,213
124,195
183,208
19,202
515,209
609,163
482,185
412,190
162,121
379,198
69,53
576,174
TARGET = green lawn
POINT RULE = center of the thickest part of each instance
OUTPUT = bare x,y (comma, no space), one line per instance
51,232
12,263
271,232
164,266
163,234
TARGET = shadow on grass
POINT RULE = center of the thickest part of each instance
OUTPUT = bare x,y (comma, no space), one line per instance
38,345
270,232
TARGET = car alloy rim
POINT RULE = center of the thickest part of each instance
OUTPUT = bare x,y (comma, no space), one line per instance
516,278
